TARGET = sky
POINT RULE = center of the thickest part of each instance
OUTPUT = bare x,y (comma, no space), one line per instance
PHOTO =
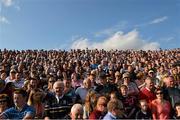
80,24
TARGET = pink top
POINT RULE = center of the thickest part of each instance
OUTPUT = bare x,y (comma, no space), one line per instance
160,110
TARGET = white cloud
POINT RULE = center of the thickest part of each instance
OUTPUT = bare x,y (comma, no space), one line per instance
4,20
118,40
159,20
7,3
109,31
155,21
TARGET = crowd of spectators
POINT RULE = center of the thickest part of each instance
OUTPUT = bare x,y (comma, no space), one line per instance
90,84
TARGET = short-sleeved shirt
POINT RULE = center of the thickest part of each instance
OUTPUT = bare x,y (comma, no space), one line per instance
13,113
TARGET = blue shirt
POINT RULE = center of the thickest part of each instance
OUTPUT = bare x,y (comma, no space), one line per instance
109,116
13,113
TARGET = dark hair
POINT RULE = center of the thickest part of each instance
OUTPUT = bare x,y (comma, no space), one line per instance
177,104
21,91
4,97
159,89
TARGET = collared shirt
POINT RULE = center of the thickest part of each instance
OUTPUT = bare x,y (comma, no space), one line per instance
59,98
109,116
14,113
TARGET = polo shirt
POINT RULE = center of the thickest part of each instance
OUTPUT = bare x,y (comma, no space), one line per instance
14,113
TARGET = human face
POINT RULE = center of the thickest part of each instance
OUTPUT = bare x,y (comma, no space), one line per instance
38,96
77,115
101,105
3,103
58,88
149,84
19,100
124,91
177,109
144,106
159,94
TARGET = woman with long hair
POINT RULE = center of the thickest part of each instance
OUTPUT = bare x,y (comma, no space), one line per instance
35,99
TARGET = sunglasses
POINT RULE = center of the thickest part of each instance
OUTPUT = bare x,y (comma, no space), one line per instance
3,101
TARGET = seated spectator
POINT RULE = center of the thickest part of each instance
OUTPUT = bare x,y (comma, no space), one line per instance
4,102
114,110
104,87
144,112
2,85
140,80
35,99
12,76
18,82
160,107
172,93
76,112
132,87
177,111
100,109
57,105
129,102
147,92
82,91
90,103
21,110
69,90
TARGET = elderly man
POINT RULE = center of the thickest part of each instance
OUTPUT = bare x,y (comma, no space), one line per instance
172,93
57,105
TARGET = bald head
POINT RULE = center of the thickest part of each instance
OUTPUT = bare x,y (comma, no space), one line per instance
77,111
58,88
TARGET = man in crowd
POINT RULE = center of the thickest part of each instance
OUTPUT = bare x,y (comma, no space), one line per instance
21,110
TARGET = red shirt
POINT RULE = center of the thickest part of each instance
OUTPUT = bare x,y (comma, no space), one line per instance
95,114
147,95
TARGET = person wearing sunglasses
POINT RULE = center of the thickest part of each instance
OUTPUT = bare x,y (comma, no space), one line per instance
160,107
3,102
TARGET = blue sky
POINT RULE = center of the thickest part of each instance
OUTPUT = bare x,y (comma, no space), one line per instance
107,24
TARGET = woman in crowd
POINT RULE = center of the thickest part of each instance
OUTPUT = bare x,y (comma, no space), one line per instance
4,102
90,102
100,109
35,99
161,108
